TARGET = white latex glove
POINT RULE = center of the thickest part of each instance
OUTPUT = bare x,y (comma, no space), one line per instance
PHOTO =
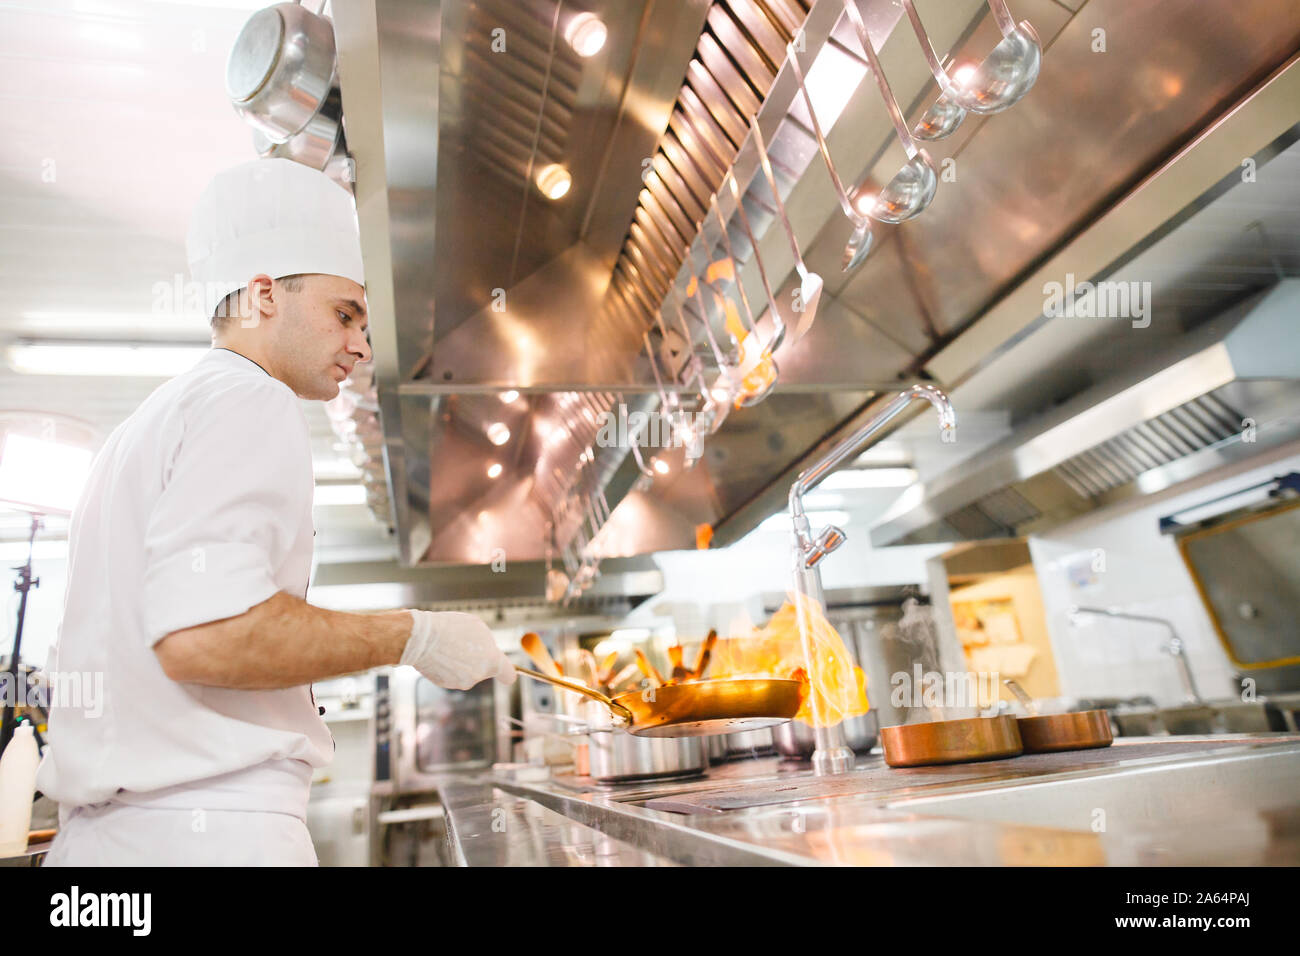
455,650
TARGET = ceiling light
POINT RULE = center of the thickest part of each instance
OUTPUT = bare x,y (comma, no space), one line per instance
144,361
117,324
494,469
586,34
510,396
554,181
498,433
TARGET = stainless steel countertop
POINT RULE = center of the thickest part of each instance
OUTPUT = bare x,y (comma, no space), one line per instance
1224,800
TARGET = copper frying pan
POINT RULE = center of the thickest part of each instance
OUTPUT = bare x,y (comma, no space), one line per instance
697,708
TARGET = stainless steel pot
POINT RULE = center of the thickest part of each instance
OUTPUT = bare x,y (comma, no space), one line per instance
315,144
795,740
751,743
615,756
280,69
716,747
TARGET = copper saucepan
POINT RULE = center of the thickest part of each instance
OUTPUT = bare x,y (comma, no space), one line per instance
950,741
696,708
1047,733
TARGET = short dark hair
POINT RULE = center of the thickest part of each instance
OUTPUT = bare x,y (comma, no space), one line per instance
226,307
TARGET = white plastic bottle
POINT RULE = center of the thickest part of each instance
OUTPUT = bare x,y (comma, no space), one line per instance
17,788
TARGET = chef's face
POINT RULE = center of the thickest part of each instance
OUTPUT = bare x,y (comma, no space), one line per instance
321,335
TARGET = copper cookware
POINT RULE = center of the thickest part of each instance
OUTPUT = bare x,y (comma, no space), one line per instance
1080,730
1045,733
951,741
697,708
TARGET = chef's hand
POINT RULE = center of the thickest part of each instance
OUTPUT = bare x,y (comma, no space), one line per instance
455,650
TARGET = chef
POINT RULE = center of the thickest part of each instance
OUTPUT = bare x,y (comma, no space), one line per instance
190,552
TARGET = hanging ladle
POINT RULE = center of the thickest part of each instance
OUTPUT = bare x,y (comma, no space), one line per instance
729,377
778,323
810,283
1005,75
718,398
913,186
947,112
685,433
744,382
758,369
860,240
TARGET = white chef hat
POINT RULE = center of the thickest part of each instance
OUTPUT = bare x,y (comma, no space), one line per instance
273,216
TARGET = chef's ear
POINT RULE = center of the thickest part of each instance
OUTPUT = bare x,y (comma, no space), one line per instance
261,300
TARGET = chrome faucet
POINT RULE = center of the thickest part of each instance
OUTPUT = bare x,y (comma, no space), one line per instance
832,753
1174,647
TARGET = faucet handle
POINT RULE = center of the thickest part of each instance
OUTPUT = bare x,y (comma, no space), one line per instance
828,539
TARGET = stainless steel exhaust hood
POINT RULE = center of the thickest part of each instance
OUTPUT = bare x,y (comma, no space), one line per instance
481,289
1227,391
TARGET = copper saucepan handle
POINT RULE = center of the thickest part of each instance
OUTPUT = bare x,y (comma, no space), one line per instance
616,708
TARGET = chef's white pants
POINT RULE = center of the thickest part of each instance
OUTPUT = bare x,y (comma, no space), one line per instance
117,834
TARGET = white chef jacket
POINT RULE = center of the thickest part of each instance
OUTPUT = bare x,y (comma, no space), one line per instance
197,508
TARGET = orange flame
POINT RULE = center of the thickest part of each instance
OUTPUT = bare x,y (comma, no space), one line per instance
837,689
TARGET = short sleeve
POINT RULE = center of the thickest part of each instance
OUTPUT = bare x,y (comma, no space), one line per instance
231,505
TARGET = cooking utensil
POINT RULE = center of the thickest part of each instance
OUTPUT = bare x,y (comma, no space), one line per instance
860,240
589,671
810,283
778,323
679,672
947,112
750,743
706,650
999,82
537,652
716,407
615,756
1077,730
623,676
697,708
685,432
951,741
716,748
1047,733
756,361
649,670
315,144
606,670
913,186
280,69
726,386
728,367
1030,707
1009,72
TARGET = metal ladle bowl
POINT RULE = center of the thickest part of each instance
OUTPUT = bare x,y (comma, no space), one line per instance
1006,74
940,120
858,246
909,192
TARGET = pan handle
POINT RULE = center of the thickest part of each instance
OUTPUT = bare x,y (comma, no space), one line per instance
617,709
